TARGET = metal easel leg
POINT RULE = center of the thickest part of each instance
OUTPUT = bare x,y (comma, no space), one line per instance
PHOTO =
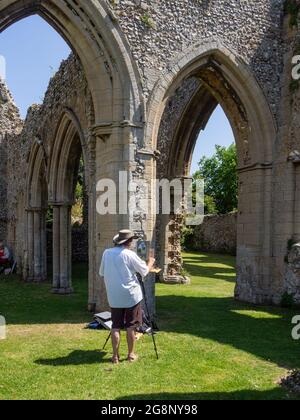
106,341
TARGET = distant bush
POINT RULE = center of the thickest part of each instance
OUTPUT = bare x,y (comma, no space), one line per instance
187,239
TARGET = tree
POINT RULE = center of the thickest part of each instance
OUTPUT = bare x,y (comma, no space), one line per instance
220,179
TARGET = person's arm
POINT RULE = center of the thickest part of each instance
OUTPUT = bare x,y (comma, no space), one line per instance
140,266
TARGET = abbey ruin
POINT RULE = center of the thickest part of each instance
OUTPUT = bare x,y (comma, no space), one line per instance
142,82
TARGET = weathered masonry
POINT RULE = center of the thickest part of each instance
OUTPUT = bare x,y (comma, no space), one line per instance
144,80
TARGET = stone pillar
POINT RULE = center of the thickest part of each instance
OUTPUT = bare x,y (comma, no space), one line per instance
56,248
173,265
290,211
62,250
93,263
296,236
44,244
170,233
37,246
30,245
117,150
65,250
254,253
293,185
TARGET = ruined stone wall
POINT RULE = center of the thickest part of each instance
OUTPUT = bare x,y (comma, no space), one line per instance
67,90
80,245
286,174
159,32
10,125
217,234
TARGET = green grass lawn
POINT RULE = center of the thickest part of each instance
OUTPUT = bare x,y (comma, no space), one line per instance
211,347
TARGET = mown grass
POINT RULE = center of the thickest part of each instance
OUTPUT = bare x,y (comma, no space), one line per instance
210,346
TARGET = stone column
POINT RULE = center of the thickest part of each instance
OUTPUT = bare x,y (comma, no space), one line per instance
56,248
290,210
171,227
296,235
44,245
37,246
120,147
293,185
62,250
30,245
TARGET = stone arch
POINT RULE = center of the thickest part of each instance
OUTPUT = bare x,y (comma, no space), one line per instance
194,118
36,177
63,160
35,267
116,115
93,33
68,147
213,63
225,79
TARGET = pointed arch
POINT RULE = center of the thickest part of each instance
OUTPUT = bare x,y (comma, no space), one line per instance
231,82
36,188
69,144
35,267
91,30
225,79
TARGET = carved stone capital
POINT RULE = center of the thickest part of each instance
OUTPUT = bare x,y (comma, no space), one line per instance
104,130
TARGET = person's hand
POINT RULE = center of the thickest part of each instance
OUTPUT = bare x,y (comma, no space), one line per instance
151,262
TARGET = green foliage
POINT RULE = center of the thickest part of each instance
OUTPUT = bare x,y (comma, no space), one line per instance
209,205
79,192
184,273
292,7
187,238
148,21
49,217
80,181
77,209
221,181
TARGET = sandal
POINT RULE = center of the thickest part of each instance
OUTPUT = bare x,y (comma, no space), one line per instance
115,360
132,358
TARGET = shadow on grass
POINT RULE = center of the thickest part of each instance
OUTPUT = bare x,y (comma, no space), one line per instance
264,332
213,266
211,259
32,303
223,320
245,395
209,272
76,358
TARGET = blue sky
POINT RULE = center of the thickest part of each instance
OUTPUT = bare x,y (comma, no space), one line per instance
33,52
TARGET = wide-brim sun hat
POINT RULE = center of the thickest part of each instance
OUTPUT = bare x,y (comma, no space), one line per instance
124,236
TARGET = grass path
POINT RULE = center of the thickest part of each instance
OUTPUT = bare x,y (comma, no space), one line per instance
210,346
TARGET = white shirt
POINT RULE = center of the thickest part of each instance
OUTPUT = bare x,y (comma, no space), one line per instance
119,266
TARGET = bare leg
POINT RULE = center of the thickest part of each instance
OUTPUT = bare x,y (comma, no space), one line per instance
131,344
115,338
